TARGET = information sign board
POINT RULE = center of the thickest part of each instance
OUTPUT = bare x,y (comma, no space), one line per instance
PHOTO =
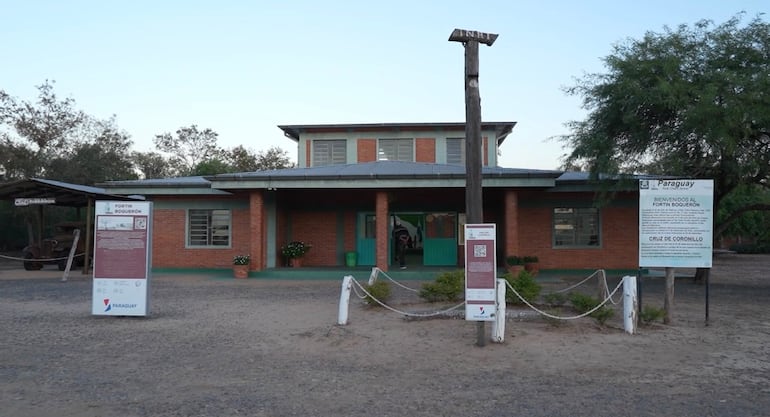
122,258
676,223
480,271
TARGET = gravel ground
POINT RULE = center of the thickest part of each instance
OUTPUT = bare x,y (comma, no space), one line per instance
224,347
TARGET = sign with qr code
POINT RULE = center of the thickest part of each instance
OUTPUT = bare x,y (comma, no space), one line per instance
480,271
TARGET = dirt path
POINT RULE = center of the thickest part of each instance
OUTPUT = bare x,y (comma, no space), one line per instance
270,348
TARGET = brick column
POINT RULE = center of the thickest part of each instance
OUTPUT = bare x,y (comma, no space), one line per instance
511,212
381,224
257,239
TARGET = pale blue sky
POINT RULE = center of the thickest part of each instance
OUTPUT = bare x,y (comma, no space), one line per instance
244,67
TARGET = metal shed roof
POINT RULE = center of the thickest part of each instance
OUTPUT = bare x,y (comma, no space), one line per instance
62,193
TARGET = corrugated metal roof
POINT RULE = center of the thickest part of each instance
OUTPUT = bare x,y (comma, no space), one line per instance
195,181
65,194
380,169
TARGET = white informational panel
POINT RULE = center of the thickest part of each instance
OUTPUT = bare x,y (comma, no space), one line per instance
480,271
122,258
676,223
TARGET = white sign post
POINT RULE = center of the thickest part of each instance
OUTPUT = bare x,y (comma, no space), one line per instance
676,223
480,272
122,258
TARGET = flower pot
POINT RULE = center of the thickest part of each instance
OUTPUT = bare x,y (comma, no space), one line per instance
532,267
515,269
241,271
296,262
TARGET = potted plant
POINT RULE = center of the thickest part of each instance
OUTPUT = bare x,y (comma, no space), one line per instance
294,251
241,266
515,264
531,264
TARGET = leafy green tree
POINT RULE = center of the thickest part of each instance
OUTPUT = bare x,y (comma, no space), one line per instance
151,165
273,158
188,148
46,123
103,154
691,101
211,167
40,128
242,159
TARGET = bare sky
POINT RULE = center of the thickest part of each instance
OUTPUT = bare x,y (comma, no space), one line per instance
243,67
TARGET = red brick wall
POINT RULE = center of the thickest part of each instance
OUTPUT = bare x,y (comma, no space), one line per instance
317,228
425,150
168,242
619,246
308,154
367,150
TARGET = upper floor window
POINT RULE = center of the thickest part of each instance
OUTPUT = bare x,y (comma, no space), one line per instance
455,151
575,227
395,150
329,152
208,228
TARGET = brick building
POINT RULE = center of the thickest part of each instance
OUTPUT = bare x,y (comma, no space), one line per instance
353,183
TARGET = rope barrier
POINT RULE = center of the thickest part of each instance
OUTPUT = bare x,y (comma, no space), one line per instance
380,271
14,258
404,313
598,271
600,305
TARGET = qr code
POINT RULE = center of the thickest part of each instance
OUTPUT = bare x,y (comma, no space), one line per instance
480,251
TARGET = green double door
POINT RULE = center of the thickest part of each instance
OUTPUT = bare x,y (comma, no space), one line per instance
433,238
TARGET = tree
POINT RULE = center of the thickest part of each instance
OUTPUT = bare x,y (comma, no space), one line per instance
242,159
42,127
188,148
686,102
273,158
44,124
102,154
151,165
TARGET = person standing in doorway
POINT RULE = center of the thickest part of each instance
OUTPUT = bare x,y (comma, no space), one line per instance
401,237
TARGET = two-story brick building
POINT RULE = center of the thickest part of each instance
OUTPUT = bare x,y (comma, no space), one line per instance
353,182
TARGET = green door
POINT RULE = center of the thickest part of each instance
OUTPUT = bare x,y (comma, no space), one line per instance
366,241
440,239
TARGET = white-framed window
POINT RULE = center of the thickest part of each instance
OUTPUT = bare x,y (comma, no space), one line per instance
576,227
329,152
395,150
455,151
208,227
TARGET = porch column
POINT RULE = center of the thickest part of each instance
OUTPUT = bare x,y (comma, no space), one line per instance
511,211
381,224
257,230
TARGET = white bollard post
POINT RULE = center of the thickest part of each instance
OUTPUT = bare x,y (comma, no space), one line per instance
373,275
74,247
630,304
498,331
342,317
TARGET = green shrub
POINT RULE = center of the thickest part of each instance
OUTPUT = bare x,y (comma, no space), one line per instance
448,286
380,290
585,303
555,299
650,314
524,284
581,302
602,314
